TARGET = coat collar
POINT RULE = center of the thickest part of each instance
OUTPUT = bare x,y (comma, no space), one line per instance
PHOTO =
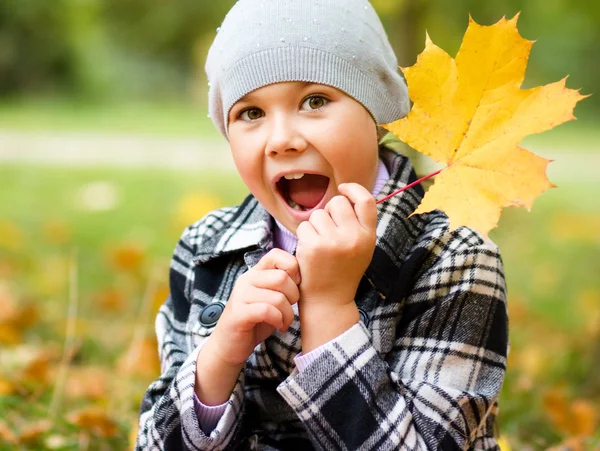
250,228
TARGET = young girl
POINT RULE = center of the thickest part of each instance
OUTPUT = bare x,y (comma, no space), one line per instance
308,317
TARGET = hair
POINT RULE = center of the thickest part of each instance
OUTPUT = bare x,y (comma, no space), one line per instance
381,133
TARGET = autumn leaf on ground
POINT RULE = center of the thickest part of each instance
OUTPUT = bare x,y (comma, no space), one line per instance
110,300
470,114
127,257
94,420
192,207
573,417
88,382
33,432
11,236
140,359
504,444
7,436
56,232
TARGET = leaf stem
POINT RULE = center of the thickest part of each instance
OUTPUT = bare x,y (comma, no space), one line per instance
422,179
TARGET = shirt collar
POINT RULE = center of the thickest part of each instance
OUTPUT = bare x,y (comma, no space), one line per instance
250,227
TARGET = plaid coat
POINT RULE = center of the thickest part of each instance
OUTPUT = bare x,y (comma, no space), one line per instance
422,370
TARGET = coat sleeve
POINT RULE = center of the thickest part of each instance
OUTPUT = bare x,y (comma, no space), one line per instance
437,389
168,419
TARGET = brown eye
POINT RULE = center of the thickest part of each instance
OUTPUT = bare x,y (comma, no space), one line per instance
251,115
315,102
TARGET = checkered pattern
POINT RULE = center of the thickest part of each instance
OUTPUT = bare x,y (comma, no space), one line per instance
424,374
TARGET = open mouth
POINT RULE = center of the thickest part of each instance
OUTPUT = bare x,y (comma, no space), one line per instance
303,192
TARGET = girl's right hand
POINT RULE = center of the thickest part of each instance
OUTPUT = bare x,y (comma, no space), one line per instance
260,302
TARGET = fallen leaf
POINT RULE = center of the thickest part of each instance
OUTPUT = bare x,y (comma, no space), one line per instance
159,298
519,311
28,364
127,257
16,315
11,236
56,232
133,432
10,335
555,404
470,114
140,359
39,370
88,382
7,436
576,417
589,304
94,420
9,305
194,206
584,418
111,300
7,387
573,444
33,432
504,444
533,360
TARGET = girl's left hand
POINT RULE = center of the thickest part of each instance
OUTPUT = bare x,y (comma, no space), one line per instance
336,245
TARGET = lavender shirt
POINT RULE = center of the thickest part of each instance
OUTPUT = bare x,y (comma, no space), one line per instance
209,416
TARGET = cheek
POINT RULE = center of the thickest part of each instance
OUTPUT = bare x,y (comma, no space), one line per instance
249,167
356,139
248,172
353,126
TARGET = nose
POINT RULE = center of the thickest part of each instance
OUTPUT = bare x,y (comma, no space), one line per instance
284,136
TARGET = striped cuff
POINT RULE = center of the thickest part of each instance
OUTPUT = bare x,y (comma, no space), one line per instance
208,416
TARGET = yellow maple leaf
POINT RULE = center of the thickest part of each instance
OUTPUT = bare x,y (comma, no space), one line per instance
470,114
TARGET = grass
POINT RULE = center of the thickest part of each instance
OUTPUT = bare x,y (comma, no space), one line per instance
138,118
124,225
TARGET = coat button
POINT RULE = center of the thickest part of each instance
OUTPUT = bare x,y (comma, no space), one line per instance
211,314
364,317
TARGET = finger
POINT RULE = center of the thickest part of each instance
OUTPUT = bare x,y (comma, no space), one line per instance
256,313
280,259
277,300
276,280
322,223
364,204
341,211
306,232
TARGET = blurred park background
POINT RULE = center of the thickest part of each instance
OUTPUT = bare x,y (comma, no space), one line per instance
106,154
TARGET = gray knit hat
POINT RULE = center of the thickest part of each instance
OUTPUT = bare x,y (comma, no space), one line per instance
340,43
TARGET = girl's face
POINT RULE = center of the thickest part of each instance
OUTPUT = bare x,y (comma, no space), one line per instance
295,128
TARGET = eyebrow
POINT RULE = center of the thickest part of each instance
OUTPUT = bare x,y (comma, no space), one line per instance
250,98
